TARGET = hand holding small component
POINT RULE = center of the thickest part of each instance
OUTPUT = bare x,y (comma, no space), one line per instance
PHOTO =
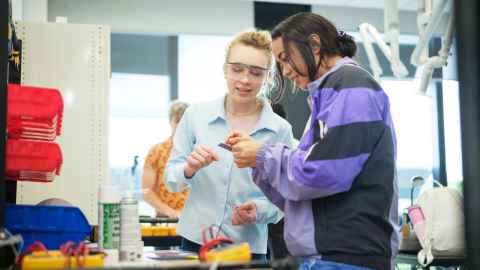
244,214
244,149
225,146
200,157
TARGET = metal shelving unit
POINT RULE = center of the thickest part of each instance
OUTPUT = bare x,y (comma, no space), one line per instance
75,59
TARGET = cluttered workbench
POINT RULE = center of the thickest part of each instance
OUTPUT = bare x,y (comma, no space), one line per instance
152,260
192,264
160,250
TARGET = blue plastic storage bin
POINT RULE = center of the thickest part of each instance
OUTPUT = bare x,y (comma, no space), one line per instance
51,225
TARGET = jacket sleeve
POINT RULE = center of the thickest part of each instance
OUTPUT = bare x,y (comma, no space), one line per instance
335,158
286,138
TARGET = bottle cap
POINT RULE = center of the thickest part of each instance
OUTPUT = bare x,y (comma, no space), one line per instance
111,258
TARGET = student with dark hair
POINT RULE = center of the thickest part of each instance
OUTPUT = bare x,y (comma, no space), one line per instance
338,189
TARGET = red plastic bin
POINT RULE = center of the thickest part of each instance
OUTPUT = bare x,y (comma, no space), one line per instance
29,160
37,108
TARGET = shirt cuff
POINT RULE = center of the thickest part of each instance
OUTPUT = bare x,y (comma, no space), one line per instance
266,211
179,178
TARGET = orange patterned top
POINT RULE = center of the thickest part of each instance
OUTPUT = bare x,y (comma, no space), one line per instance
157,160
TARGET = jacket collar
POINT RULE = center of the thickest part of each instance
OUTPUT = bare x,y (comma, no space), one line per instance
313,86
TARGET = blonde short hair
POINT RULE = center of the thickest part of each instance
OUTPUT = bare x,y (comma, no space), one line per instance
257,39
177,108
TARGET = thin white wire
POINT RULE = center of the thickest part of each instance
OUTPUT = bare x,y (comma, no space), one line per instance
226,201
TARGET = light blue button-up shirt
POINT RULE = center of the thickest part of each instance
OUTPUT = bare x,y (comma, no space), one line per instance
217,188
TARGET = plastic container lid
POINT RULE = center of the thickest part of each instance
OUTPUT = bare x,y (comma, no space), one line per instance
108,194
111,258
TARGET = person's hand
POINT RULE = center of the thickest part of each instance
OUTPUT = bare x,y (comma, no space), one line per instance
244,214
244,149
200,157
175,214
172,213
234,137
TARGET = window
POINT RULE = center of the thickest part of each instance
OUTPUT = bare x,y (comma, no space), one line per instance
453,149
200,65
413,120
138,120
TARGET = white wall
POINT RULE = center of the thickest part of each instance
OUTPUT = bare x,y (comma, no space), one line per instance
35,10
222,17
158,16
17,10
29,10
200,16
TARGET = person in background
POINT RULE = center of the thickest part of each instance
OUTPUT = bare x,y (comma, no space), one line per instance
166,203
220,193
338,189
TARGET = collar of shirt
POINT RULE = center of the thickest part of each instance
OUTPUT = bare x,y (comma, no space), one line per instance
266,121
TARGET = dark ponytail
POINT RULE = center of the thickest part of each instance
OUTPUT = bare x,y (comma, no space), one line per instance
346,44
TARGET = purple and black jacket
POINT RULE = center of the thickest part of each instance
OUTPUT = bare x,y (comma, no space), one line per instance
339,190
